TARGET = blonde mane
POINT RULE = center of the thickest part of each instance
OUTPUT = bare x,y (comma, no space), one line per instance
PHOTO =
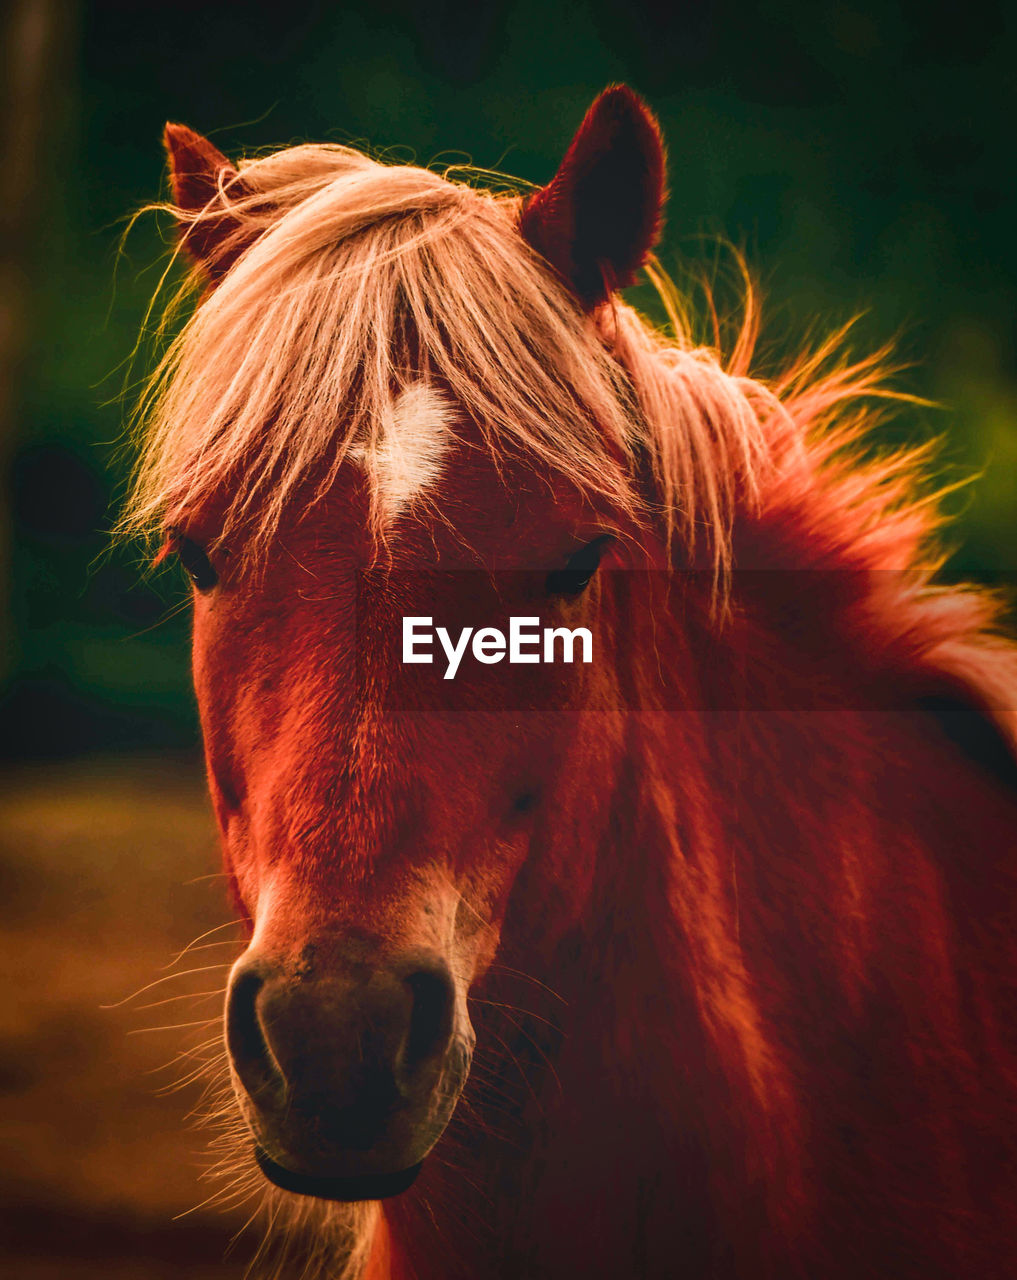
365,277
357,279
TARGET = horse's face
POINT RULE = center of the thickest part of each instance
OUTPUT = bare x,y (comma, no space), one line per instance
377,815
378,819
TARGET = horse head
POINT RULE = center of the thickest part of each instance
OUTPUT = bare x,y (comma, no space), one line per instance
398,402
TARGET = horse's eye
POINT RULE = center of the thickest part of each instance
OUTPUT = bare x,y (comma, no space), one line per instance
196,563
582,565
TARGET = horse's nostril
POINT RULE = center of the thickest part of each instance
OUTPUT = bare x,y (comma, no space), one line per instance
430,1016
253,1060
335,1056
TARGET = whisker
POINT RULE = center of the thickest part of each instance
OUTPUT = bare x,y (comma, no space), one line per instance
184,973
218,1196
179,1026
191,1078
495,1004
230,924
519,1067
195,995
235,1238
528,977
204,946
530,1040
188,1053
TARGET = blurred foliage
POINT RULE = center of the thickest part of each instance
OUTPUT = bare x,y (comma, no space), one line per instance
860,152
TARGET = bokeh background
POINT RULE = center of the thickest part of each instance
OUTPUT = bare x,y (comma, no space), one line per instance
861,151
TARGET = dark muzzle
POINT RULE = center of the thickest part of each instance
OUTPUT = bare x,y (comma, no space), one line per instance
346,1081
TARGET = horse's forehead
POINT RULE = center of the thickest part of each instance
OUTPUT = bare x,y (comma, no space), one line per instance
412,447
432,465
442,492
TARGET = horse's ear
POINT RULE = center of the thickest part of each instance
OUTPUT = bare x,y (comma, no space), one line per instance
199,173
599,216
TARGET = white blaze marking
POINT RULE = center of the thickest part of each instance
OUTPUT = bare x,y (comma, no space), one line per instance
414,440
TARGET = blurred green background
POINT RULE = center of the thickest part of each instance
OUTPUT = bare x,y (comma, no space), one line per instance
861,152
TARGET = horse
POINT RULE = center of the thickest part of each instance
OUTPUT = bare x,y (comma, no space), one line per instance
694,959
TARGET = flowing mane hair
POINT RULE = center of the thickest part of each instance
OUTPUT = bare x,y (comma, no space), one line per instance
355,278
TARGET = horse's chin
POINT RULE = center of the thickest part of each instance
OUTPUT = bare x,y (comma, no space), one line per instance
367,1186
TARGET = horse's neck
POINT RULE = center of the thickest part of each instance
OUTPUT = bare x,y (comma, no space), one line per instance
834,926
798,942
763,1028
